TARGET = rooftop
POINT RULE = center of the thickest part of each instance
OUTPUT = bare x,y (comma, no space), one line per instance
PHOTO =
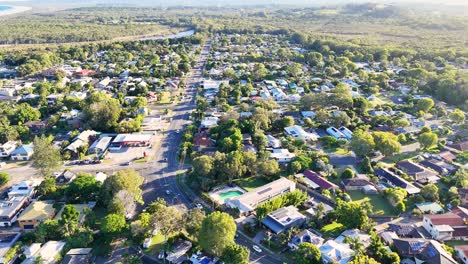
39,210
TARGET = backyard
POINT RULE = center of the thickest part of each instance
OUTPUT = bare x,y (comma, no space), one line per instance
251,183
378,202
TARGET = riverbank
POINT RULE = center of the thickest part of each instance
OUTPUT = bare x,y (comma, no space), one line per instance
14,10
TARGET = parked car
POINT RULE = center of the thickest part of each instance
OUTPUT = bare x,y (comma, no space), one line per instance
257,248
161,255
199,206
168,192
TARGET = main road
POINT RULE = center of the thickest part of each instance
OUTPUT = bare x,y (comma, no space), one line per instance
160,174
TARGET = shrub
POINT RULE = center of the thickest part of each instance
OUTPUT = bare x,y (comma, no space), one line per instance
4,178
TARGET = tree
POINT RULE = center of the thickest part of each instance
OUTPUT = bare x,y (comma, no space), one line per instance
217,233
363,259
69,220
308,253
124,203
102,113
387,143
129,180
113,224
47,186
167,220
424,104
4,178
362,143
25,113
203,165
347,174
45,158
49,230
193,220
457,116
350,214
84,188
236,254
428,140
430,192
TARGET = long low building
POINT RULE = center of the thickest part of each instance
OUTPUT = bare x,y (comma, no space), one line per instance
131,140
249,201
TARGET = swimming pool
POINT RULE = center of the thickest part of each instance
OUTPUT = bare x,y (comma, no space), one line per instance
230,194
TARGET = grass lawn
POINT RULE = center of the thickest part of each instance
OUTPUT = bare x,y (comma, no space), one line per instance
333,229
456,243
379,203
251,183
399,157
165,98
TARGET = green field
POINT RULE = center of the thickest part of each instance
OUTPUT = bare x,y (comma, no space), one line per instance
333,229
251,183
379,203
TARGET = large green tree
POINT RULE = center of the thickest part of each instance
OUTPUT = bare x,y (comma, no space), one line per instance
83,188
362,143
45,158
101,112
217,233
129,180
236,254
308,253
428,140
113,224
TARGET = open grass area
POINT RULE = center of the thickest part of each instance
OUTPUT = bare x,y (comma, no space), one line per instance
378,202
251,183
333,229
399,157
165,98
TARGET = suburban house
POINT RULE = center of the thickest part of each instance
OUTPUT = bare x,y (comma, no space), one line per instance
282,155
78,256
247,202
283,219
449,226
462,253
273,142
36,213
319,181
361,236
430,208
334,252
396,181
177,254
463,193
440,166
10,209
82,139
209,122
22,153
418,172
298,132
305,236
417,250
359,184
100,146
7,240
36,126
24,188
65,177
332,131
7,148
47,253
346,132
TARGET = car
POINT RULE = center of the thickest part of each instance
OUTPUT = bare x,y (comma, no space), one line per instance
199,206
161,255
257,248
168,192
178,131
2,164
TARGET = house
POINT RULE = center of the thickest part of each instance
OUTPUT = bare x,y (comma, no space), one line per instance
332,131
440,166
36,213
462,253
7,240
430,208
47,253
361,236
308,114
320,181
282,155
460,146
305,236
100,146
177,254
346,132
78,256
298,132
417,250
209,122
201,259
283,219
81,140
22,153
247,202
53,98
11,208
359,184
131,140
406,230
103,83
463,193
418,172
447,156
273,142
334,252
24,188
7,148
448,226
202,139
396,181
65,177
36,126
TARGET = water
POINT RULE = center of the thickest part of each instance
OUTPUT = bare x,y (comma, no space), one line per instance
230,194
182,34
3,8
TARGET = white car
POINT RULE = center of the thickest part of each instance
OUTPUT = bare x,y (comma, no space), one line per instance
257,248
199,206
168,192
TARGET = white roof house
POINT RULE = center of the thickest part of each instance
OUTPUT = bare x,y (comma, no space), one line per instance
209,122
346,132
282,155
24,188
48,252
7,148
273,142
298,132
247,202
334,252
332,131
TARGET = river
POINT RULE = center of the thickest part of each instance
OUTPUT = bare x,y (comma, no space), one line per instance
182,34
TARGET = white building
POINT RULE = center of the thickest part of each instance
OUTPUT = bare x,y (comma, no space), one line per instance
282,155
334,252
298,132
332,131
273,142
7,148
247,202
48,253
